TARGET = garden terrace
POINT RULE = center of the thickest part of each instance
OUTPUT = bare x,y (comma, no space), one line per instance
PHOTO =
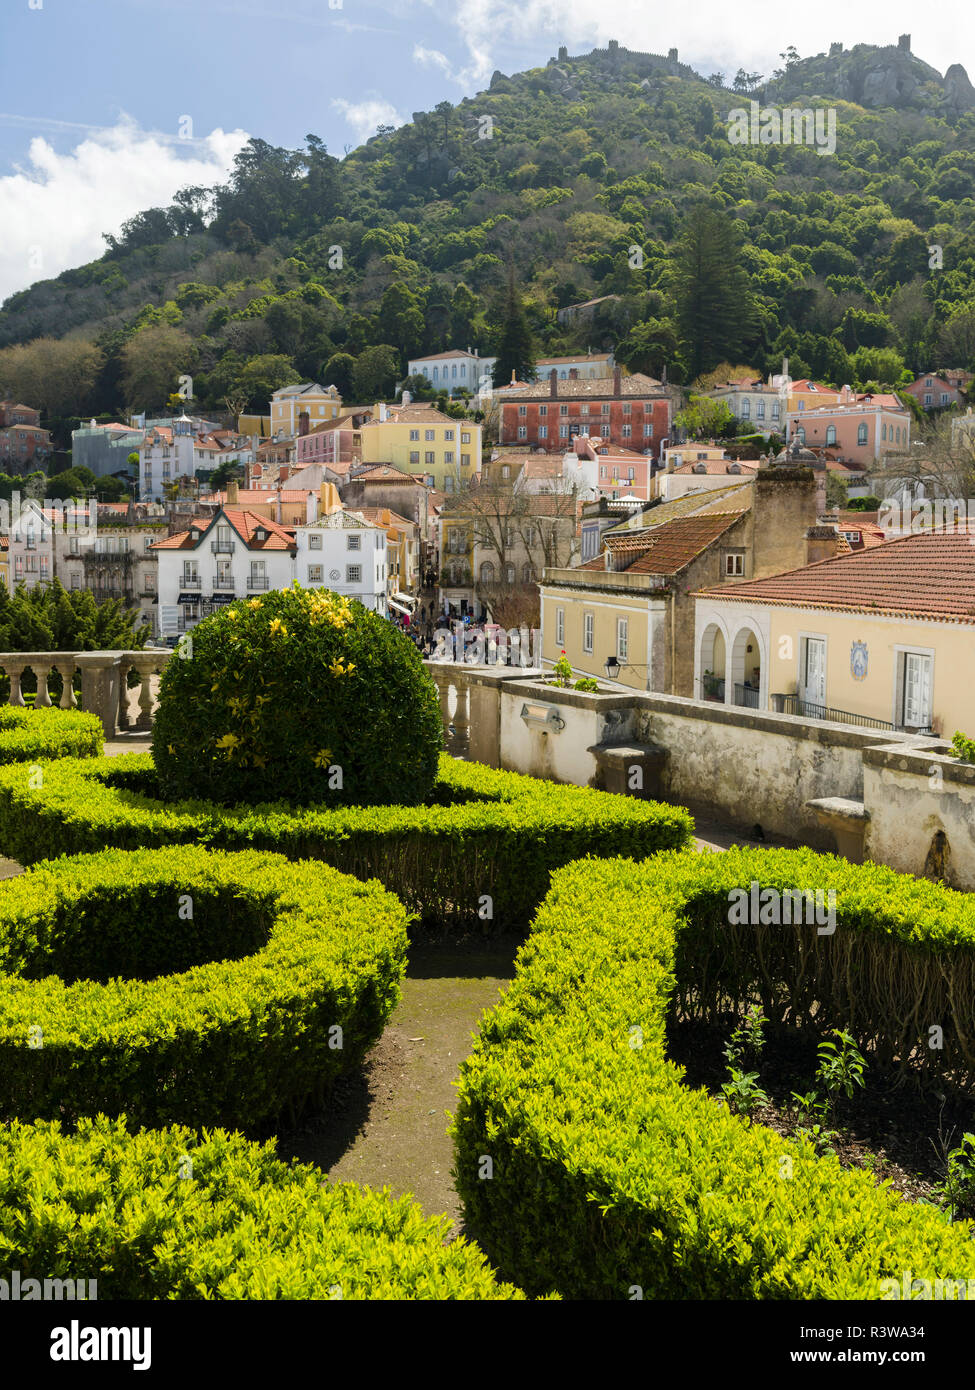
609,1174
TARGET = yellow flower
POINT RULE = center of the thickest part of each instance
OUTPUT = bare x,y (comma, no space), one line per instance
336,668
278,626
232,613
253,603
228,743
323,757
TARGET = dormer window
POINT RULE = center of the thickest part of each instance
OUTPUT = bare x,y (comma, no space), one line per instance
260,534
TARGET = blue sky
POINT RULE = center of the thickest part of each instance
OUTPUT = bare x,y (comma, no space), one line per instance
91,116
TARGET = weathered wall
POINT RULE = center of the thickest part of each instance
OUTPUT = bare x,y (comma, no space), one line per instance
922,813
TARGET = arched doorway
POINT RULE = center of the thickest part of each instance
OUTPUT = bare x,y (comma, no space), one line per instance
713,655
746,670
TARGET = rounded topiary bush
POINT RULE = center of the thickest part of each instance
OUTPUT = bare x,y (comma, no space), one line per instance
300,695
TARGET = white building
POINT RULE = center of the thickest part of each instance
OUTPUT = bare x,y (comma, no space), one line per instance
583,367
241,554
32,533
455,370
178,449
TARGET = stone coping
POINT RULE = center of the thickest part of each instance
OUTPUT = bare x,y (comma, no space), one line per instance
919,761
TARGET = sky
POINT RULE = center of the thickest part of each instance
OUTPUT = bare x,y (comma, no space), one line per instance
109,106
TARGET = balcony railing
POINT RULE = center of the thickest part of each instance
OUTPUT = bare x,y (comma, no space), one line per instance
712,688
808,709
190,582
746,696
224,585
258,581
222,547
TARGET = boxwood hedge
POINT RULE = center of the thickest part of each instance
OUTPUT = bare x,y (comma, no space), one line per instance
165,1214
179,985
609,1175
32,735
479,853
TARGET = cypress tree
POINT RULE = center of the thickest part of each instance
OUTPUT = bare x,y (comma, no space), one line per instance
516,350
715,308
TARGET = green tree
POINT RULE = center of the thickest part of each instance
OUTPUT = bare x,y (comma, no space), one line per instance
715,307
648,347
374,374
516,349
704,418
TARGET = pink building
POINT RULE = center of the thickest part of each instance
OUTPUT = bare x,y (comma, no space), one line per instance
938,390
615,472
859,428
335,441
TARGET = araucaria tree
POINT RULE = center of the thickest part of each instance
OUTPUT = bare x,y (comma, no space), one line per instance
516,351
715,306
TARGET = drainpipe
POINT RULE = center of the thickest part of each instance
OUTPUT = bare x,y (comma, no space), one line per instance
673,638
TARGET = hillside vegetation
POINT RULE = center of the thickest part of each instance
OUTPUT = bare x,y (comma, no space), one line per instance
606,175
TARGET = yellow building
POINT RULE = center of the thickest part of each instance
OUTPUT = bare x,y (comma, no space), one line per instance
5,562
290,403
418,438
883,637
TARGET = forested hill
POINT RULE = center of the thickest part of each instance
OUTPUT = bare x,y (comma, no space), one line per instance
577,180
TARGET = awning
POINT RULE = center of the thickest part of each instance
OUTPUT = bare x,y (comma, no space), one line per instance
222,598
405,598
189,598
399,608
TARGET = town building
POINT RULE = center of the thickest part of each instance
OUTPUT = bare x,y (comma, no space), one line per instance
695,467
115,559
633,601
309,402
454,370
345,552
24,446
633,412
881,636
859,428
759,404
105,449
417,438
938,390
186,449
583,367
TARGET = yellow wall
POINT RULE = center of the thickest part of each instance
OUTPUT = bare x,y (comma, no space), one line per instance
953,672
389,442
606,608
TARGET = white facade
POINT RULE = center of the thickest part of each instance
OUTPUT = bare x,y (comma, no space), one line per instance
454,371
177,450
32,546
117,557
347,554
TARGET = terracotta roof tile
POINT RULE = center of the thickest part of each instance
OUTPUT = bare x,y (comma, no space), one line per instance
930,576
601,386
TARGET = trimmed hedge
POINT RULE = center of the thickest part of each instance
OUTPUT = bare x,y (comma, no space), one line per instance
177,985
31,735
485,834
609,1173
298,695
168,1214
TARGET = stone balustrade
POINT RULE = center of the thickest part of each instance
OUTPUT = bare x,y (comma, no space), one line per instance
104,683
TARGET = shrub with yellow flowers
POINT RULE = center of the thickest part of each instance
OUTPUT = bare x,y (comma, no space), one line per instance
300,695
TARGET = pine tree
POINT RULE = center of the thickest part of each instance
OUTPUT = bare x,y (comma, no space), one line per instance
715,308
516,350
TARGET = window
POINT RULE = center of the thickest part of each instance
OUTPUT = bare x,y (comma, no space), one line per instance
631,474
353,542
543,410
861,434
414,435
944,398
487,572
75,579
916,686
734,564
149,582
415,456
560,627
448,456
928,398
465,437
622,639
509,573
429,435
583,410
775,410
543,431
527,574
563,431
314,540
627,431
465,460
746,408
603,470
448,435
898,440
530,536
802,405
587,626
883,430
604,409
648,430
523,410
430,456
627,408
522,431
314,574
830,434
353,574
563,410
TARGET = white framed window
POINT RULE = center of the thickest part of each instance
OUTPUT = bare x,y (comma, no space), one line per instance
448,456
622,639
648,429
563,431
560,627
75,579
465,437
543,431
353,542
353,574
314,574
315,540
448,435
861,434
627,431
429,435
734,564
414,435
587,633
916,682
522,431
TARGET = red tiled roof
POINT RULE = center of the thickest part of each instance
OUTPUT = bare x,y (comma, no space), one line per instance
601,386
930,576
713,466
668,548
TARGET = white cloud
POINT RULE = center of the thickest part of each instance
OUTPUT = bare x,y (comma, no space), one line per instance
432,57
365,116
57,207
710,36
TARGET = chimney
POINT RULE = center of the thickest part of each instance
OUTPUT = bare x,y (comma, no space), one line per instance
381,412
617,379
553,382
233,492
277,509
303,423
785,366
284,473
663,375
573,374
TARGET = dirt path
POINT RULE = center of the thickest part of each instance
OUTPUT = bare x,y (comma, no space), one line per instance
387,1124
